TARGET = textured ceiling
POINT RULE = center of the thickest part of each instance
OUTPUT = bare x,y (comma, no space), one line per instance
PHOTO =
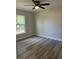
20,4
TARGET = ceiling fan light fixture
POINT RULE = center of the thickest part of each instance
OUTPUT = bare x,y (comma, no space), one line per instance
36,7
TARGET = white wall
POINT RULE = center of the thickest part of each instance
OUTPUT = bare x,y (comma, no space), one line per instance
30,24
49,23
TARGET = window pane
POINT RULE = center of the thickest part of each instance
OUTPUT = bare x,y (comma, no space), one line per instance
20,24
20,19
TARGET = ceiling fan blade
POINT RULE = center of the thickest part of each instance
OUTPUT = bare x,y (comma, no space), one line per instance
28,5
41,7
34,2
33,8
45,4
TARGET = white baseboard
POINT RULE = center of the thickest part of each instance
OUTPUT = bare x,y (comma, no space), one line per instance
40,36
25,36
50,37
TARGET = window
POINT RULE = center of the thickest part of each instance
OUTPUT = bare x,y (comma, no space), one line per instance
20,24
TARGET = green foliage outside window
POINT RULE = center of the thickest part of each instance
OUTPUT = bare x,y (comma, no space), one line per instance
20,24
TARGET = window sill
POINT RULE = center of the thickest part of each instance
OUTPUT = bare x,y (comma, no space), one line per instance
20,33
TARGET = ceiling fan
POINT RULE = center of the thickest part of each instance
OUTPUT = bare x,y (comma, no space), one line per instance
37,4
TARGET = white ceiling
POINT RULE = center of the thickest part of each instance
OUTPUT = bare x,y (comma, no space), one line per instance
20,4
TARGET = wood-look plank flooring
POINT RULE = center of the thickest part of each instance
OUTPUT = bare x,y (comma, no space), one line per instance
39,48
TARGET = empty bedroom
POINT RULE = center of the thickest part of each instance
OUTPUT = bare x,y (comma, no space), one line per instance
39,29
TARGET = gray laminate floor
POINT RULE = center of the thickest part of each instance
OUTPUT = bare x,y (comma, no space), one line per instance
39,48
